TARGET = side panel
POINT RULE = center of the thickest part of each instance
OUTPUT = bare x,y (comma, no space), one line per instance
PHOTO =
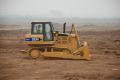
66,42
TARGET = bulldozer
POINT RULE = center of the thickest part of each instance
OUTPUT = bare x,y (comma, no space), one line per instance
44,42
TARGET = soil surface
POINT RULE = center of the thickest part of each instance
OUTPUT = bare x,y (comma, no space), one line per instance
105,64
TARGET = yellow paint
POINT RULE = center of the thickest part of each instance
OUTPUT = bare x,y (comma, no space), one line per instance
67,46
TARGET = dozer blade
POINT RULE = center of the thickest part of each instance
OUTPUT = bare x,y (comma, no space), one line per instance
84,51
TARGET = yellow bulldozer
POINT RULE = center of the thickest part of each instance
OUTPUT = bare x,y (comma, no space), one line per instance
43,41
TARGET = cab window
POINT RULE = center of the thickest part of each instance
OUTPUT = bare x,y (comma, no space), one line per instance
37,29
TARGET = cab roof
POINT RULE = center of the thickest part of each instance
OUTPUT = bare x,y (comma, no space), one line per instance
39,22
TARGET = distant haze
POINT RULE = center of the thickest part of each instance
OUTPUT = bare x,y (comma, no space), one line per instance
61,8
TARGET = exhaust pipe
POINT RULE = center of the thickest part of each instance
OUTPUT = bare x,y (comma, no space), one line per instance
64,27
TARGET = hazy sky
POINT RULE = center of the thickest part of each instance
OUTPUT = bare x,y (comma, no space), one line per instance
62,8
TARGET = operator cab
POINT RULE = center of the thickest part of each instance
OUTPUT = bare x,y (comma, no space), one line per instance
43,28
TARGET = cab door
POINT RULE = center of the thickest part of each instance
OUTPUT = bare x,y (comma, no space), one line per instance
48,32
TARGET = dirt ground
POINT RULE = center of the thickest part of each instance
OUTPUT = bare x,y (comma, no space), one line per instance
105,64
